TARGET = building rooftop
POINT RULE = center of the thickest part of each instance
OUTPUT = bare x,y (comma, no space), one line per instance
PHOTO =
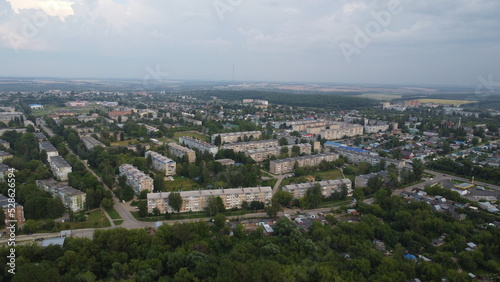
59,161
47,146
53,241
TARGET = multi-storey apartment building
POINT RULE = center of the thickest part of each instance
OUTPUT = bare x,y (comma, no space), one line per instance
49,148
180,151
357,155
339,130
136,178
162,163
72,198
259,155
252,145
362,180
91,142
328,187
60,167
194,143
300,125
5,155
14,209
287,165
8,116
198,200
232,137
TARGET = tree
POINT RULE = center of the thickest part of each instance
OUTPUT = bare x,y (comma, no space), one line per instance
273,209
475,141
375,183
217,140
418,168
107,204
159,182
283,198
283,141
219,221
175,201
215,205
143,209
313,197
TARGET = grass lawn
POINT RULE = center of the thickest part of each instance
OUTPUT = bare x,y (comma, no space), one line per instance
329,174
95,219
446,102
324,175
118,222
114,214
181,183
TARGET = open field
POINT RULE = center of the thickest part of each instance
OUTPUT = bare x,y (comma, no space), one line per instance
181,183
125,142
381,97
446,102
96,219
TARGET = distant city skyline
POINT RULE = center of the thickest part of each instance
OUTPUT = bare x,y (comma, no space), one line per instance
364,42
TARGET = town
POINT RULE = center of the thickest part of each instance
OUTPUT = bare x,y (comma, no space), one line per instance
93,160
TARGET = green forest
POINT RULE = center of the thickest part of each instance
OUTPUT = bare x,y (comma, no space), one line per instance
374,246
333,101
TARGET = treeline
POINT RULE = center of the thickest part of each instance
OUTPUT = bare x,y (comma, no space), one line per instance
336,251
465,168
332,101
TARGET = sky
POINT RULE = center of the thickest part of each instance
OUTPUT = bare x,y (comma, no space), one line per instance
417,42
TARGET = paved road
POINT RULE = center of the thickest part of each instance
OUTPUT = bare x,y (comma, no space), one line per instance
128,219
278,183
438,176
89,232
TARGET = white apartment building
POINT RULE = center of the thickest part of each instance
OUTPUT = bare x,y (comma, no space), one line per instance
260,155
328,187
162,163
252,145
136,178
180,151
91,142
233,137
49,148
60,167
300,125
194,143
286,165
198,200
72,198
338,130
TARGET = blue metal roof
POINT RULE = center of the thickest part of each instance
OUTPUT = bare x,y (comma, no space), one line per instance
358,150
53,241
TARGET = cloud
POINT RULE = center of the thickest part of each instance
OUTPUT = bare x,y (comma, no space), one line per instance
215,44
269,40
53,8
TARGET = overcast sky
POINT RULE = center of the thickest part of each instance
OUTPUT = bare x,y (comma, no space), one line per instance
446,42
